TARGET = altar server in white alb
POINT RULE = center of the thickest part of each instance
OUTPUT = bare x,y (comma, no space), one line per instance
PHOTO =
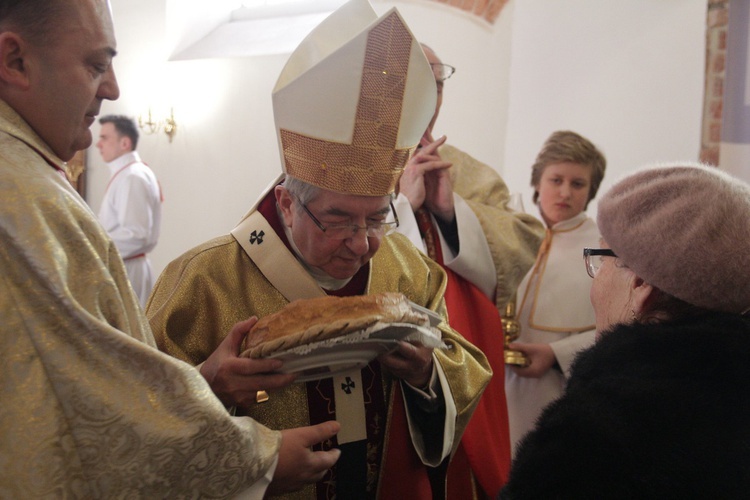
131,208
554,310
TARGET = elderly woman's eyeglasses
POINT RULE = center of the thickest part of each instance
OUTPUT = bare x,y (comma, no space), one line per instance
442,71
592,257
346,231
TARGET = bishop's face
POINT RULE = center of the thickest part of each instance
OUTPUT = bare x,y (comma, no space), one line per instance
339,258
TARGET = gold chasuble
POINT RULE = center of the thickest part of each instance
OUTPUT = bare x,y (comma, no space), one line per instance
514,239
90,409
204,292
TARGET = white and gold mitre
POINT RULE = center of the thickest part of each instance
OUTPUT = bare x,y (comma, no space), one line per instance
353,101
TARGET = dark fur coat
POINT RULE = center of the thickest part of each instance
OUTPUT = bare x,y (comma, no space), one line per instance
657,411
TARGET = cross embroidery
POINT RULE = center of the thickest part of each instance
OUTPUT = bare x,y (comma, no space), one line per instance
256,236
348,386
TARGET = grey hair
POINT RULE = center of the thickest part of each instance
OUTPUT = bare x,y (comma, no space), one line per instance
305,192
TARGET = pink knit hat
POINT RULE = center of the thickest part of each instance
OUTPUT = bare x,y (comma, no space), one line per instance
685,229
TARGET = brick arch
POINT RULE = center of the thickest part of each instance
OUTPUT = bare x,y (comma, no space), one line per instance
713,105
487,10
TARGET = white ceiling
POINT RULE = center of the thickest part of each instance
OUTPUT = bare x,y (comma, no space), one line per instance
223,28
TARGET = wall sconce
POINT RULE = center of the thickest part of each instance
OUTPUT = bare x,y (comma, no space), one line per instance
151,126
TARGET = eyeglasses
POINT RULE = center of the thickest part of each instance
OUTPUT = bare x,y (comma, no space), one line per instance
442,71
592,257
346,231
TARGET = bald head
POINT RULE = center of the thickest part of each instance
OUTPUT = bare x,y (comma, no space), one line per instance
35,20
56,67
432,58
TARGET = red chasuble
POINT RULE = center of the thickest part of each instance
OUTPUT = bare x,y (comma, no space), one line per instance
484,454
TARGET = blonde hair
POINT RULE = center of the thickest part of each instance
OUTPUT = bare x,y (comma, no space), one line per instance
565,146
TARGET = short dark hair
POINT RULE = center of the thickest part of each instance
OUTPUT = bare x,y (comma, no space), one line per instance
124,126
565,146
35,20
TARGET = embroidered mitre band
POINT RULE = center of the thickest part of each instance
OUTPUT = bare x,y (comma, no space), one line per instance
353,101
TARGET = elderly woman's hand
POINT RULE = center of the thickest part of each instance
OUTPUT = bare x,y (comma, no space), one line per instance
541,359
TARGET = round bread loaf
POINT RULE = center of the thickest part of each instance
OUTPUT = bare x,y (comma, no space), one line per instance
309,320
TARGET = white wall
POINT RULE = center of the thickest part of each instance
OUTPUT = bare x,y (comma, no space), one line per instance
628,76
224,152
475,99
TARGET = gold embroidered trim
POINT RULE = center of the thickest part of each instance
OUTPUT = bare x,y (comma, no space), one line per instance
371,165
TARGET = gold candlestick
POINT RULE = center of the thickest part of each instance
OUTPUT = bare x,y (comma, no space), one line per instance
512,329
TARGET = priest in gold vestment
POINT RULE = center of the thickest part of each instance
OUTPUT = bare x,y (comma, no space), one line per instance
323,231
90,408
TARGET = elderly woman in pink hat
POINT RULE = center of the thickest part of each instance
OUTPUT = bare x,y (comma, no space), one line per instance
659,407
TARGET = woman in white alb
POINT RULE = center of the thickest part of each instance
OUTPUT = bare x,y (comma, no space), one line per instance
554,310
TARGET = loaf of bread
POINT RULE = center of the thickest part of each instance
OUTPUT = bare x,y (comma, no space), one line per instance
310,320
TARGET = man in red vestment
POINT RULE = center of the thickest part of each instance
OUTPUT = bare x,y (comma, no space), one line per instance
454,208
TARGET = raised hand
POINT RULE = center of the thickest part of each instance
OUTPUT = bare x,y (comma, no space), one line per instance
426,180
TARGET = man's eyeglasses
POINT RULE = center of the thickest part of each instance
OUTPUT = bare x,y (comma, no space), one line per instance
442,71
592,257
346,231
